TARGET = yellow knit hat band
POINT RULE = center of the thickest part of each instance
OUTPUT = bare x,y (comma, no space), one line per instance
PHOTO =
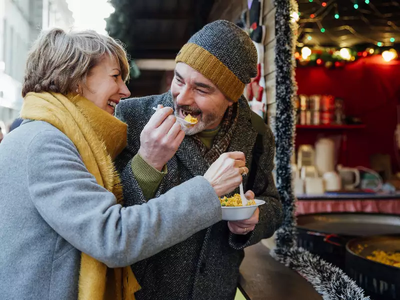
213,69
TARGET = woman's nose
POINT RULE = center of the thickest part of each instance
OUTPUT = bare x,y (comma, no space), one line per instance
124,91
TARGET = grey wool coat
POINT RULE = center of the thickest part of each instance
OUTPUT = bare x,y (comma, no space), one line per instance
52,209
206,265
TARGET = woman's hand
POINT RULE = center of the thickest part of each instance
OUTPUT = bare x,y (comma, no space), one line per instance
245,226
225,174
160,138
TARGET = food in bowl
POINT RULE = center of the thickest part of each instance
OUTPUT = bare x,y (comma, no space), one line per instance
387,258
190,119
235,201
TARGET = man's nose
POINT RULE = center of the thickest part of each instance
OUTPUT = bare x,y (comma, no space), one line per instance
185,97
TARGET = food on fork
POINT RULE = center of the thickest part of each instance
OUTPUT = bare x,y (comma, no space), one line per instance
190,119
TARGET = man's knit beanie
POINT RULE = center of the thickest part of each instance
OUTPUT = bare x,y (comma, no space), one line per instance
223,53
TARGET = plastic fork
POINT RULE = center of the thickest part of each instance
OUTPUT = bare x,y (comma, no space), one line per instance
244,199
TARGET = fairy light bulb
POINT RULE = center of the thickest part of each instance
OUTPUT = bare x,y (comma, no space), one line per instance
345,53
295,17
392,40
389,55
366,1
337,16
323,30
305,52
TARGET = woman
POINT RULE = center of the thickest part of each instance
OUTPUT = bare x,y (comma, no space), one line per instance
62,221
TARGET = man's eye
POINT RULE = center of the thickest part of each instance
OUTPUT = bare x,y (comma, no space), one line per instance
201,91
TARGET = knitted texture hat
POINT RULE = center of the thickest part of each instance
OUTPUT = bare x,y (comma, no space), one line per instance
223,53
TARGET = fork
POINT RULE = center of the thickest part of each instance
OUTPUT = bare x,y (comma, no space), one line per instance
244,199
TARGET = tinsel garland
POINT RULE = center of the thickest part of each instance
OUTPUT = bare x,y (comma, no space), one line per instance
328,280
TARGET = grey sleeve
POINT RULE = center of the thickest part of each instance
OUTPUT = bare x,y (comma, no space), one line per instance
85,214
270,217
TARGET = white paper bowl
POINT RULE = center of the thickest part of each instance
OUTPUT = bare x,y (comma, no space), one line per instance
237,213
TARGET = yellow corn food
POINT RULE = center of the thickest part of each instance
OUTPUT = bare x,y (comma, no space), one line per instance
234,201
387,258
190,119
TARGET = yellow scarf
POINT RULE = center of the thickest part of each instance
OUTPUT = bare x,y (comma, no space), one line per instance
99,138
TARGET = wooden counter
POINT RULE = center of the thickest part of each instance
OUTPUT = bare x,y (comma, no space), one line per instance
263,278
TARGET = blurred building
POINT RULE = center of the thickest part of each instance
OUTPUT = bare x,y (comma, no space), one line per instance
20,23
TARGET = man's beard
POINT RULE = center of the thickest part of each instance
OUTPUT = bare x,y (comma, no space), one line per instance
202,124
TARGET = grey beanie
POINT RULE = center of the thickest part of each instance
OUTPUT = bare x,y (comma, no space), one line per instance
223,53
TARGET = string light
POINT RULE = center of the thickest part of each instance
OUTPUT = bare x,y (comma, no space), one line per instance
345,53
389,55
311,0
323,4
337,16
366,1
322,30
319,61
312,16
305,52
309,38
392,40
356,6
295,17
379,44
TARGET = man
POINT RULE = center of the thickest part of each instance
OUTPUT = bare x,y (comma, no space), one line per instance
211,72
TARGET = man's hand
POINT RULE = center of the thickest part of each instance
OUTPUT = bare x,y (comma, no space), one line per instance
245,226
160,138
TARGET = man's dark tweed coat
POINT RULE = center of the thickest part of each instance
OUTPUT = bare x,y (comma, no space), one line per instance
205,266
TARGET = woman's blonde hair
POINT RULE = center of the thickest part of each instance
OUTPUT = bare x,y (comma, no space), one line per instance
59,61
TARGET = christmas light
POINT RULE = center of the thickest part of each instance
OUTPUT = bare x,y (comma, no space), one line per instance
389,55
322,30
367,1
379,44
392,40
295,17
356,6
337,16
309,38
371,51
345,53
323,4
319,61
312,16
311,0
305,52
